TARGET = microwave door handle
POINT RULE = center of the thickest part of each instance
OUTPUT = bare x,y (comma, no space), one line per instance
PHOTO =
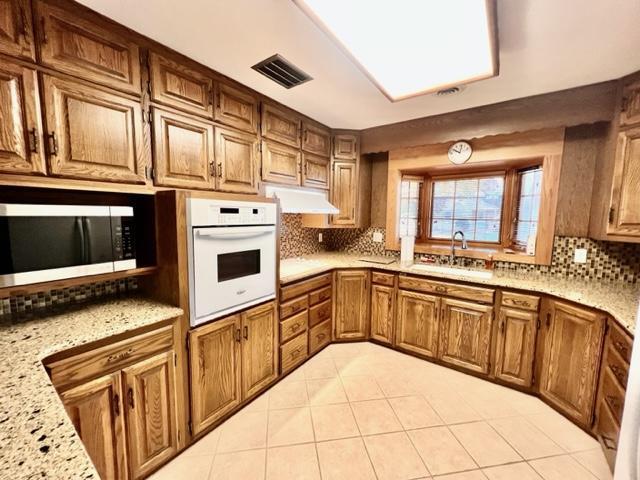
80,227
87,238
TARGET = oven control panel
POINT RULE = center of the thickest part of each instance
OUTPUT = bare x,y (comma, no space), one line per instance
206,212
237,215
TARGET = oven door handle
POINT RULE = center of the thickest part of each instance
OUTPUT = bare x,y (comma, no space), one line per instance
233,235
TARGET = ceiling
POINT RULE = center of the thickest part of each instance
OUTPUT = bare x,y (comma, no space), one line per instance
545,46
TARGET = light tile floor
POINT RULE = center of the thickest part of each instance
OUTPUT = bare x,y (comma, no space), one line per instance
362,411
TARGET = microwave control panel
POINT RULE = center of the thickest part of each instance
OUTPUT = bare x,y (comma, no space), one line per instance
123,238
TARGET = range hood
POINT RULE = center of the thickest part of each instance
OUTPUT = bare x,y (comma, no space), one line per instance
298,200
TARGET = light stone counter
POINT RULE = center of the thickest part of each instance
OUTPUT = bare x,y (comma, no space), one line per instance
37,438
620,300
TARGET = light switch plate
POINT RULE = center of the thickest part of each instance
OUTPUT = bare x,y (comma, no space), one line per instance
320,237
580,255
377,237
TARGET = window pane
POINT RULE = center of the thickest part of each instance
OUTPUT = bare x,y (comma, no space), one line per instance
467,188
444,188
443,207
441,228
413,208
404,207
528,207
465,226
488,231
412,226
404,189
490,207
409,206
522,232
465,207
491,186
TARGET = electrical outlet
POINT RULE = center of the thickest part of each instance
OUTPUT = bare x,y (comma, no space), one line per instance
580,255
320,237
377,237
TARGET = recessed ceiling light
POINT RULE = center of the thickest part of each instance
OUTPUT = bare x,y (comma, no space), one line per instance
412,47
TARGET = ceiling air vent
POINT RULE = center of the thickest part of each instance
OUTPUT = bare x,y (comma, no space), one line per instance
279,70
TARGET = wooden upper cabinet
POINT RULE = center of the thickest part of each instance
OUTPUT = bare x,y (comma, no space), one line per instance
151,413
624,213
352,299
418,323
237,159
16,29
236,108
96,410
571,357
178,85
345,147
344,187
93,134
316,139
280,164
259,348
91,48
515,349
183,151
214,359
465,334
383,306
630,111
316,171
21,146
280,125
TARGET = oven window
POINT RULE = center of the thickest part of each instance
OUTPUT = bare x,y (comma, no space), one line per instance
238,264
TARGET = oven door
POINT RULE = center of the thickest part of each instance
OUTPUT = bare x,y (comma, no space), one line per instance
233,268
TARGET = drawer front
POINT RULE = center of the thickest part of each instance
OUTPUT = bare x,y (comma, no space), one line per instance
319,336
518,300
293,306
321,295
94,363
607,429
319,313
382,278
306,286
618,367
292,326
620,341
478,294
612,394
293,353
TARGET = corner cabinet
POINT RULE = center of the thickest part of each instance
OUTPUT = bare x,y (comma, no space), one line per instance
351,305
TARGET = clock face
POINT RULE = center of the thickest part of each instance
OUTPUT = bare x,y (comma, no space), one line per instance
460,152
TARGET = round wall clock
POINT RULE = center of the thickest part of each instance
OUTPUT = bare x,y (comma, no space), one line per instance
460,152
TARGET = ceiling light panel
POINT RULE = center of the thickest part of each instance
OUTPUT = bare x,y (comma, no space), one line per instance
412,47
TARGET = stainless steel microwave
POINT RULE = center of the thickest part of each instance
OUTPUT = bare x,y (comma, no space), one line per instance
40,243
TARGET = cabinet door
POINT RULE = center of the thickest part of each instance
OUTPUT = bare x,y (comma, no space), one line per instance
280,164
515,346
344,192
177,85
151,412
91,48
21,149
259,348
418,323
92,134
352,298
95,408
571,358
345,147
16,29
465,334
630,113
183,151
237,157
214,359
382,313
316,139
624,217
236,108
280,125
315,171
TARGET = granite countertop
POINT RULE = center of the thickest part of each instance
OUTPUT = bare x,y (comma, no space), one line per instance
37,437
620,300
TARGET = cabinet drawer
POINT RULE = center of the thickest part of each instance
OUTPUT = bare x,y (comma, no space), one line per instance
518,300
321,295
617,365
292,326
620,341
293,353
607,429
319,312
382,278
294,306
94,363
297,289
612,394
478,294
319,336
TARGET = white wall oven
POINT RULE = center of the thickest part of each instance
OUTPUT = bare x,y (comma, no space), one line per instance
232,256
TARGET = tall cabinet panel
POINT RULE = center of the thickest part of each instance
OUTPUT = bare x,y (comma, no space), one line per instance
344,188
624,213
352,299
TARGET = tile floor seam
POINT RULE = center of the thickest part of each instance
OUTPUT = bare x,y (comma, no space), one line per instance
463,447
543,433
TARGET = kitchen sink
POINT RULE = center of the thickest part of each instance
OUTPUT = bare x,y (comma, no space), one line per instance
462,272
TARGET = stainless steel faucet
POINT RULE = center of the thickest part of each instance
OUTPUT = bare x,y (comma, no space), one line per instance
452,257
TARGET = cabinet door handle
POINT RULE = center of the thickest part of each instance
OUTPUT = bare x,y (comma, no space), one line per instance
609,443
218,100
441,289
43,30
245,332
502,326
116,405
23,23
621,347
237,335
212,169
33,140
548,320
219,169
53,144
130,398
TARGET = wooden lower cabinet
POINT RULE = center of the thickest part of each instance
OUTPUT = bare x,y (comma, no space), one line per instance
515,346
465,334
571,357
383,306
418,323
351,306
96,410
151,415
259,348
